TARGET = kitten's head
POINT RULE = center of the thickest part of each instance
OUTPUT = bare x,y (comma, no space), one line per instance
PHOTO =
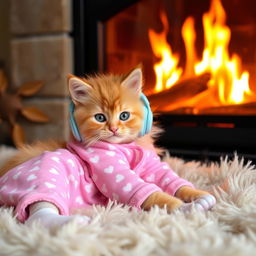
108,107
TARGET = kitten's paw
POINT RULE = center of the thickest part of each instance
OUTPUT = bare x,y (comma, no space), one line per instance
174,205
162,199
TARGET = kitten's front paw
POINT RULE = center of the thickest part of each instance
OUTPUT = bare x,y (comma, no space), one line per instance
162,200
189,194
173,205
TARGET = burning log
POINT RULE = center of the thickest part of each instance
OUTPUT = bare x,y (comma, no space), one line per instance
181,91
240,109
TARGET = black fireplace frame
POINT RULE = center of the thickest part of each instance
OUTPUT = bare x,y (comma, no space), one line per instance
88,32
198,137
200,141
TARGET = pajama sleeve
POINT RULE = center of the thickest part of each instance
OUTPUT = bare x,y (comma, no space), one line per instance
162,175
112,175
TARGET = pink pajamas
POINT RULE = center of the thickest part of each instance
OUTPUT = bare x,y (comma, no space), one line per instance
78,177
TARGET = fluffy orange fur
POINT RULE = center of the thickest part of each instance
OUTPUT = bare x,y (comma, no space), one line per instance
108,95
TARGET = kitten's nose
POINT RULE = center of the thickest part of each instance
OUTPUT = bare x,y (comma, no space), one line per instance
113,129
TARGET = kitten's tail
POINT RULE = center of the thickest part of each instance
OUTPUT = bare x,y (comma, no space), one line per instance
28,152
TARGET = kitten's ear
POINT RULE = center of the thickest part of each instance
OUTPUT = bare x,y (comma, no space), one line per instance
134,80
78,89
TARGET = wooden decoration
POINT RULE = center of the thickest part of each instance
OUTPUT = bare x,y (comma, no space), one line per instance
11,106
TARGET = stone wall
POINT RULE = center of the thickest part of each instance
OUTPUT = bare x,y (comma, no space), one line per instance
41,49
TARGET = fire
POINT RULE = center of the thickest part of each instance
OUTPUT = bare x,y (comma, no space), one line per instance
232,84
167,72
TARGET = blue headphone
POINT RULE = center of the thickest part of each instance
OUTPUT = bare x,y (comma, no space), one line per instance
146,127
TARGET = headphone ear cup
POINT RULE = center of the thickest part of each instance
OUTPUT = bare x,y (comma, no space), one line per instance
148,116
72,122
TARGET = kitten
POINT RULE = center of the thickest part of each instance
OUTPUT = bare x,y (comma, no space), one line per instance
109,115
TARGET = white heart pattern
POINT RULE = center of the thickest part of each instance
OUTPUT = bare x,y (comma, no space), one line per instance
165,181
81,171
110,153
13,191
119,177
36,168
128,187
165,167
94,177
70,161
121,161
89,150
54,171
75,183
151,178
49,185
88,188
33,187
16,176
56,159
111,147
79,200
95,159
37,162
109,169
3,188
5,179
128,151
71,177
31,177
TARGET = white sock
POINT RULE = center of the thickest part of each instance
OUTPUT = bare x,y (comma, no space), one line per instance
50,218
203,203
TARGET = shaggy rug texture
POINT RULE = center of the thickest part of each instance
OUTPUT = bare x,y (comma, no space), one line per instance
229,229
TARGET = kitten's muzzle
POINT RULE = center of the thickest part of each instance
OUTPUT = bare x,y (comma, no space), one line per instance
114,130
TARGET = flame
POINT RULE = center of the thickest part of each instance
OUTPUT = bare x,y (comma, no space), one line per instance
166,70
233,85
189,37
231,82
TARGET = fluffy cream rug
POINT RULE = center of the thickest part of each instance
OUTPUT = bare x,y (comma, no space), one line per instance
229,229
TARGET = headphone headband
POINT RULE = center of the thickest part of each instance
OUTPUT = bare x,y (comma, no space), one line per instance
72,122
148,116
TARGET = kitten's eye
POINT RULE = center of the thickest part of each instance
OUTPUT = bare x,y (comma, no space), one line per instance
100,118
124,116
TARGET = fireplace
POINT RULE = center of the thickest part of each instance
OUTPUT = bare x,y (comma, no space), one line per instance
199,66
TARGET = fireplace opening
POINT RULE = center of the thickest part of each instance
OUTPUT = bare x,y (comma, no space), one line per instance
199,61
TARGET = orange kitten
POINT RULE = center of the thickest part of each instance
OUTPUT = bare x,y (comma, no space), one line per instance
101,102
